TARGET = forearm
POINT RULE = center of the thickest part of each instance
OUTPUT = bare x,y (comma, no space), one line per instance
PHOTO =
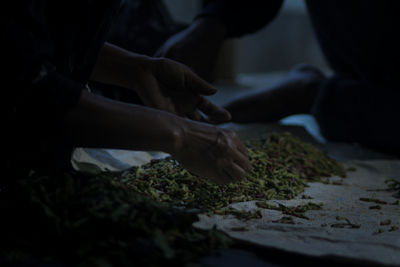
203,149
103,123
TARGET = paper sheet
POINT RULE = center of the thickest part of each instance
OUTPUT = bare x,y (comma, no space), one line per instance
372,242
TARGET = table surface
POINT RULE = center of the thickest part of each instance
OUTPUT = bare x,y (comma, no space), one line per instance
258,250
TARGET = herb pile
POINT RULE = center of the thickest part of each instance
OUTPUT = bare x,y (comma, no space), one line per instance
76,220
282,165
117,219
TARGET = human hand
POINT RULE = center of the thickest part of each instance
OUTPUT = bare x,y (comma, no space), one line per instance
196,47
161,83
212,152
171,86
204,149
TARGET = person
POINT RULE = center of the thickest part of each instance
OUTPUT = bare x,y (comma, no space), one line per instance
358,103
53,48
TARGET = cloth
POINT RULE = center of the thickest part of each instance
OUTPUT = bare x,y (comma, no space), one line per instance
50,48
370,236
141,26
372,243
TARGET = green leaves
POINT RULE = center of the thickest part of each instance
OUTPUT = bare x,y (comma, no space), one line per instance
83,220
282,166
132,218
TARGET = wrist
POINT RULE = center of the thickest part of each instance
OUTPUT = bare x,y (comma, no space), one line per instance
123,126
177,127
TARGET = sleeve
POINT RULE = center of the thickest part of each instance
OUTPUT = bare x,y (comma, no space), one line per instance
33,77
241,17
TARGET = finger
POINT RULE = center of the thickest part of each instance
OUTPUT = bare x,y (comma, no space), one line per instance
238,143
243,162
196,84
161,103
242,148
196,116
239,151
236,172
214,112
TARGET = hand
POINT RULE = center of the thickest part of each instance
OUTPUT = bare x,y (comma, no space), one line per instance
161,83
212,152
171,86
197,46
203,149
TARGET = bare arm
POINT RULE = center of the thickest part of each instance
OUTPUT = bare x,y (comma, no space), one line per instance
203,149
161,83
101,122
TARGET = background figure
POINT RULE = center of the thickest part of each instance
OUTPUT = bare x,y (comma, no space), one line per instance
356,104
49,108
141,26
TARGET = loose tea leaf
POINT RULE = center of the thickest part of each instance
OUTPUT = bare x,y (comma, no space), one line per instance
145,215
347,224
240,214
386,222
377,207
282,166
297,211
74,220
393,185
380,231
377,201
351,169
285,220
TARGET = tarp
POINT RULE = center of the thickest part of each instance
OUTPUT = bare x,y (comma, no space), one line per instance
367,234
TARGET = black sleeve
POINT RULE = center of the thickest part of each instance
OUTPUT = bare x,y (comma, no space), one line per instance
31,73
242,17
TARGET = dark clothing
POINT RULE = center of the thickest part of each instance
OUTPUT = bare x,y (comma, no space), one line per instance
358,39
359,103
141,26
353,110
241,18
49,48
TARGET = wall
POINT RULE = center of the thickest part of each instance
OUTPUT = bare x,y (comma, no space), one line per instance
287,41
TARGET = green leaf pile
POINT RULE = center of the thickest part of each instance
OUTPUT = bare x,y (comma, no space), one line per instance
282,165
144,216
